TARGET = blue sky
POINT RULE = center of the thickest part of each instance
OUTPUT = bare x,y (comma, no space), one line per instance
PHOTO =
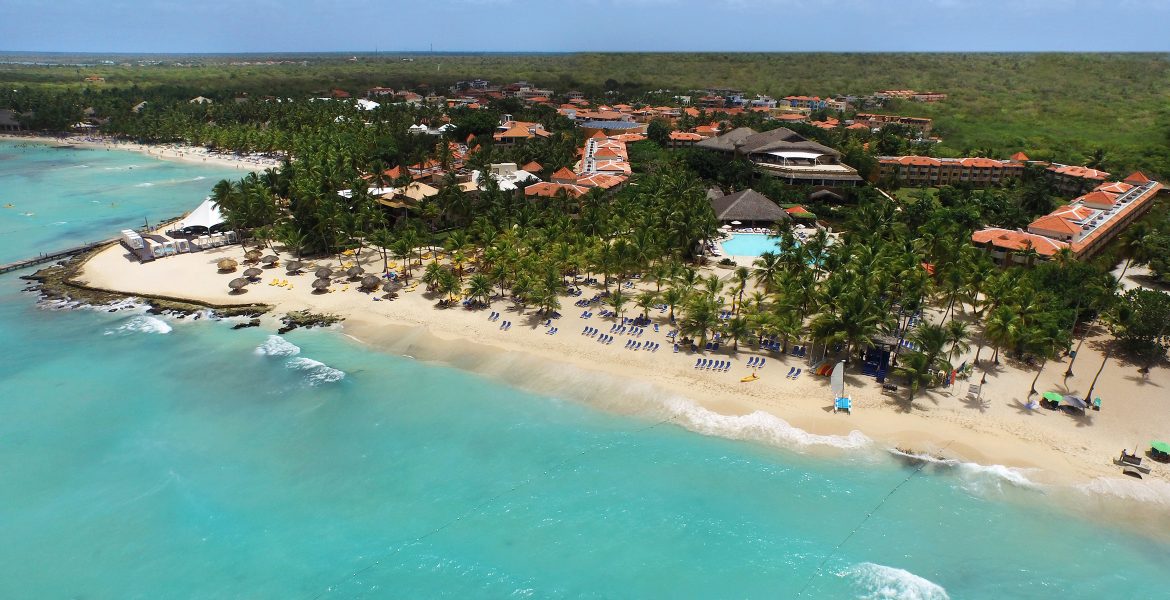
572,25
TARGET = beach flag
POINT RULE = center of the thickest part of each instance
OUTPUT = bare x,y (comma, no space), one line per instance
951,377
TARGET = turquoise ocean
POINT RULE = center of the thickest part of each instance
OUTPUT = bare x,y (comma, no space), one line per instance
156,457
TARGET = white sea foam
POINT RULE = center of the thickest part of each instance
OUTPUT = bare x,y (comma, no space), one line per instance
144,184
142,324
879,582
975,472
277,346
1145,491
758,426
318,372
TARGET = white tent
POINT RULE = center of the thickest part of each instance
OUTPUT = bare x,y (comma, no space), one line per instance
205,215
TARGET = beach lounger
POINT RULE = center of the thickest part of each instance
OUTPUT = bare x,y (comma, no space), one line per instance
676,348
790,372
760,364
796,374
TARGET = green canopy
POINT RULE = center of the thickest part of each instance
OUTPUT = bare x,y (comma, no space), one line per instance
1162,447
1053,397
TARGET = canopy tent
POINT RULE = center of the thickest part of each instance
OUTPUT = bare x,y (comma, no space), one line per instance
1075,402
204,218
1162,447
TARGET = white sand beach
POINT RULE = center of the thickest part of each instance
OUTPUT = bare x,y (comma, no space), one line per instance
175,152
1052,446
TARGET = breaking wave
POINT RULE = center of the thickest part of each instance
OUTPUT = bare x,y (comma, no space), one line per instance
973,471
144,184
318,372
758,426
277,346
142,324
879,582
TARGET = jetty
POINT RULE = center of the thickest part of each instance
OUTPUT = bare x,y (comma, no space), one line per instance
52,256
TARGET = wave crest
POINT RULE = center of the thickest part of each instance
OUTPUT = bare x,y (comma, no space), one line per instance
974,471
1147,491
881,582
276,345
758,426
318,372
142,324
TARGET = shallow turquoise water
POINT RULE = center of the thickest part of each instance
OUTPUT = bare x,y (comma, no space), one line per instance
749,244
64,197
148,457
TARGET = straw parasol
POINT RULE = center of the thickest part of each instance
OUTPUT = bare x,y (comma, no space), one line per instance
226,265
252,256
253,273
324,273
270,260
354,272
294,266
370,282
238,284
321,284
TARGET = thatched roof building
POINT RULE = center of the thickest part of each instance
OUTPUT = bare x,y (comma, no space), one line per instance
748,207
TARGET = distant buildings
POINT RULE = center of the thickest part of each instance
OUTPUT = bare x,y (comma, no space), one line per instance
925,171
786,154
9,122
920,124
1083,226
509,132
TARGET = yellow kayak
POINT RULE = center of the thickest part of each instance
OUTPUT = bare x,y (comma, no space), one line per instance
751,377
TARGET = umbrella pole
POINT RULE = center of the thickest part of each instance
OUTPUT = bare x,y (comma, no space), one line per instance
1089,396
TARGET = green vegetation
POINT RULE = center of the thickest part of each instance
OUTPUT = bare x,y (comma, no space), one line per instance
1070,108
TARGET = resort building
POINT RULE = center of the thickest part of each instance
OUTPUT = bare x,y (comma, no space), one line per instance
920,124
683,139
747,207
925,171
786,154
608,128
1084,226
509,132
8,121
1075,180
806,102
507,176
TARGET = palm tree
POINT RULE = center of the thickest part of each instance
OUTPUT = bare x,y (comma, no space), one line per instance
700,317
741,276
918,370
1137,245
737,328
1002,328
1044,338
383,239
673,296
618,300
957,336
646,300
479,287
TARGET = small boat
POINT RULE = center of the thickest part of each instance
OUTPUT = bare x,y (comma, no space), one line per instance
751,377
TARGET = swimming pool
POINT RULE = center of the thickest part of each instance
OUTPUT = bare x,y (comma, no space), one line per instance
749,244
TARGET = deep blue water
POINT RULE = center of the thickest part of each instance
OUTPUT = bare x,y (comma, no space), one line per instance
151,457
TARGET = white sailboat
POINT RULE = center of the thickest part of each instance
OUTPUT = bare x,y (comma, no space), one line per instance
837,384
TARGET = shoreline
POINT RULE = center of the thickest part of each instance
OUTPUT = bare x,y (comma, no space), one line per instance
1051,447
172,152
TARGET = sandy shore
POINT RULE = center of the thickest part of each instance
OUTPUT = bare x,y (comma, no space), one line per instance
175,152
1041,446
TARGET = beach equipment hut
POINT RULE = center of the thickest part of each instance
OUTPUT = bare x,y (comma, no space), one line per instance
231,237
321,284
226,265
270,260
132,240
252,256
1160,450
183,246
156,249
354,272
293,266
238,284
323,273
370,282
217,240
202,219
253,273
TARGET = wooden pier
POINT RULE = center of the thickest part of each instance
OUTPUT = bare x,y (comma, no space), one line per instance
52,256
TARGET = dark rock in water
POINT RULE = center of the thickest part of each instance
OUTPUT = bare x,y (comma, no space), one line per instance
286,329
304,318
252,323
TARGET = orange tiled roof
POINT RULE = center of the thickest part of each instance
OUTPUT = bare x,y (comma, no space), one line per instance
564,174
1116,187
1099,198
628,137
532,167
1083,172
604,181
1137,178
1019,157
682,136
1007,239
1055,223
545,189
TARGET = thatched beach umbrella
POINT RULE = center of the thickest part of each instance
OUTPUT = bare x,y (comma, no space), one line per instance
226,265
324,273
370,282
253,273
354,272
270,260
238,284
294,266
321,284
252,256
